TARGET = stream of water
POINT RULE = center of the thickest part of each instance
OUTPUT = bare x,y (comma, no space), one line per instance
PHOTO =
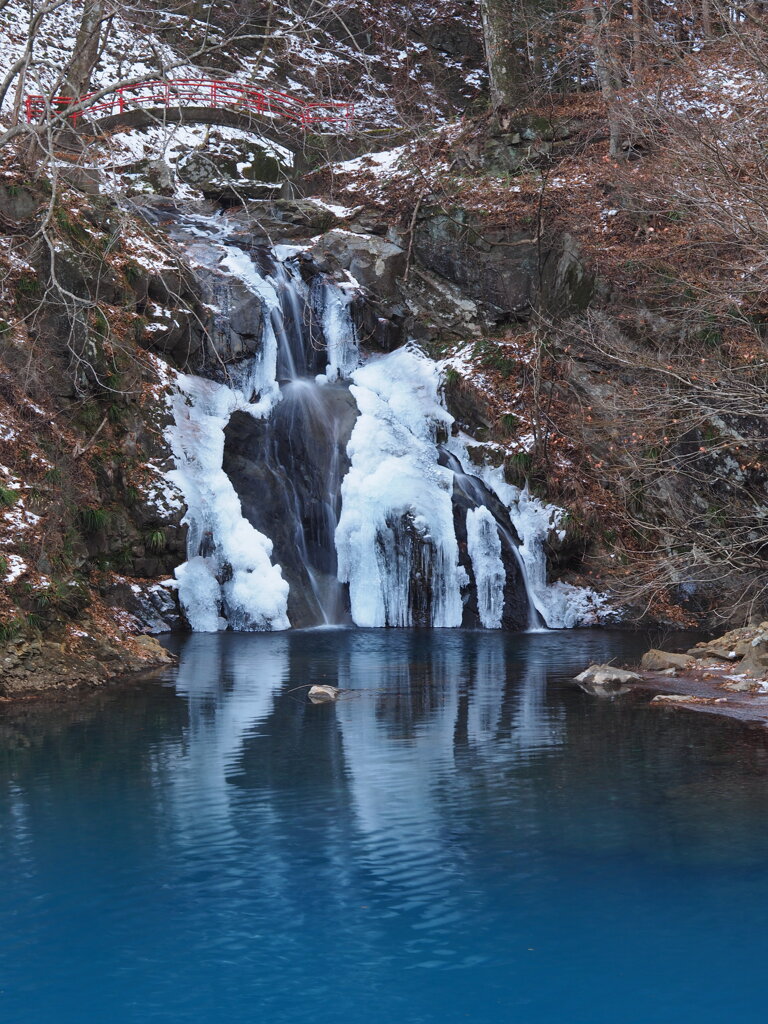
463,836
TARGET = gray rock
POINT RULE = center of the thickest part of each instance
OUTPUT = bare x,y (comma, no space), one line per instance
17,202
234,330
282,463
373,261
502,267
714,650
606,680
240,173
741,686
160,174
755,661
154,608
660,661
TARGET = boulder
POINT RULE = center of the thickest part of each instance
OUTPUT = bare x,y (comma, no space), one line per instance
375,263
660,661
755,661
235,171
714,650
742,686
17,202
606,680
732,645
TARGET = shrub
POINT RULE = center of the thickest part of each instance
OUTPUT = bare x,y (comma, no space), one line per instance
93,519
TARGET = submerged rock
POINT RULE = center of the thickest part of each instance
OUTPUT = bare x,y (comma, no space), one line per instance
685,698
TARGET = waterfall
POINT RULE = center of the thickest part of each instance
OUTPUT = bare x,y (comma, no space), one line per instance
322,484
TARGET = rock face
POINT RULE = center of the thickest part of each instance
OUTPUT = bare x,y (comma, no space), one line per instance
234,319
154,607
280,469
503,268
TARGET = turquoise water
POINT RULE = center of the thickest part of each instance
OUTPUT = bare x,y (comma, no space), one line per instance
463,837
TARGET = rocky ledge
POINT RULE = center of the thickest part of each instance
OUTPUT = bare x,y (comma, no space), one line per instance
726,676
85,658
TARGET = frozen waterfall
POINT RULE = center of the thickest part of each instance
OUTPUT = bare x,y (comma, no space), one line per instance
322,485
396,541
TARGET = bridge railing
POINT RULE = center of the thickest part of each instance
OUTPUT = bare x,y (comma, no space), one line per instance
201,91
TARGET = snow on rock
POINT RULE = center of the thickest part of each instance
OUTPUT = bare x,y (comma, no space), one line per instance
484,547
378,164
162,493
16,567
396,518
228,579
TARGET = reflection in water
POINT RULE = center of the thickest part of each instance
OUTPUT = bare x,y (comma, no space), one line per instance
462,836
228,697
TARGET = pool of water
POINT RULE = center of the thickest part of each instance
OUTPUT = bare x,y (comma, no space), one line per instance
463,836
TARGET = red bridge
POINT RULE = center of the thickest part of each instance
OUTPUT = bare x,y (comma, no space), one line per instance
198,92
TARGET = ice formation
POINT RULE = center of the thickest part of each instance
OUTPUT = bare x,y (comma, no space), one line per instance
340,335
228,579
484,548
396,526
561,605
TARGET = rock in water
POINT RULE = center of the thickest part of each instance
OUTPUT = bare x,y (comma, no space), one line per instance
605,680
322,694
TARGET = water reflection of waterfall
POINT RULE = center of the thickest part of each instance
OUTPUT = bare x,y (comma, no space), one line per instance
319,486
419,719
227,701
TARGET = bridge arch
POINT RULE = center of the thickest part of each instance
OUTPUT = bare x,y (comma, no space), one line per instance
261,128
271,115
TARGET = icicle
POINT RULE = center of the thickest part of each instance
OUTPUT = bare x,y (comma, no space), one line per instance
484,548
561,605
340,336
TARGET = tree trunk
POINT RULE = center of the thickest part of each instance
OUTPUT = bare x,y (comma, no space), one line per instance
706,19
86,50
500,35
597,23
637,36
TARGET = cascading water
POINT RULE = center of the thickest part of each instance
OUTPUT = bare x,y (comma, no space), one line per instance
321,485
